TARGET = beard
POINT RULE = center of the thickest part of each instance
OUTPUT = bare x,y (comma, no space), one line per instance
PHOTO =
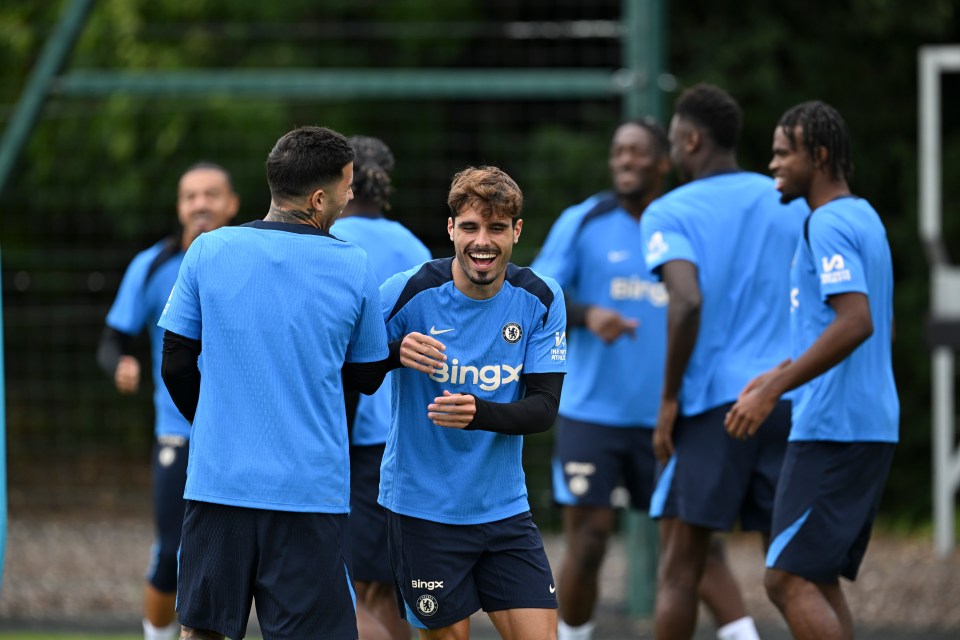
631,195
787,198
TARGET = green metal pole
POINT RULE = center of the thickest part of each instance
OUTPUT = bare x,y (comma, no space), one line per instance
644,55
52,60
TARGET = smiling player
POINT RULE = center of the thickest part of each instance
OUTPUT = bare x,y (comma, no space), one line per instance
483,342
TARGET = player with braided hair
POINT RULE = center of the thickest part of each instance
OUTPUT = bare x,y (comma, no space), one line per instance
392,248
846,412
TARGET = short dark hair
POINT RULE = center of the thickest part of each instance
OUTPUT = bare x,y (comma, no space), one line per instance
371,170
713,109
305,159
656,131
488,189
823,126
210,166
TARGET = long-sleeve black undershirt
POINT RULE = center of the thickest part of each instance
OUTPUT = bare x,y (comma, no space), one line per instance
113,344
534,413
181,374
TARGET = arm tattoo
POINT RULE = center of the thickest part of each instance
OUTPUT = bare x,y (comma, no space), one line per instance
186,633
296,216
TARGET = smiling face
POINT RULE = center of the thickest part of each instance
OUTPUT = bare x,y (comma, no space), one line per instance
483,246
791,166
205,201
636,166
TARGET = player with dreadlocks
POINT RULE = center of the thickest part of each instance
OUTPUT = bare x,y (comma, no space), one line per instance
392,248
846,411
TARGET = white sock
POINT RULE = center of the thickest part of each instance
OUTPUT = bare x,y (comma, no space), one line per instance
742,629
566,632
168,632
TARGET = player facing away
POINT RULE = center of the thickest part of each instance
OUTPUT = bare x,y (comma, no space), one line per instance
205,201
616,331
846,411
277,310
484,342
391,248
722,244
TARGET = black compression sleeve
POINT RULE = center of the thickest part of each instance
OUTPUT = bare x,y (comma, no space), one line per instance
535,413
180,372
576,312
113,344
366,377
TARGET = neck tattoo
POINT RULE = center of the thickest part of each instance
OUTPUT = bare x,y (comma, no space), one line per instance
295,216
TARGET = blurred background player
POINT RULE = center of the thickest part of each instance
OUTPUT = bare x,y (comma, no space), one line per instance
846,423
485,339
280,313
722,244
616,321
392,248
205,201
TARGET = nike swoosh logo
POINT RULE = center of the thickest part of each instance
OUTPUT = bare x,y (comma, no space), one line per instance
553,589
435,332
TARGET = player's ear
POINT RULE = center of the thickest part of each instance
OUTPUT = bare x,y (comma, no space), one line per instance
517,227
450,228
317,200
823,156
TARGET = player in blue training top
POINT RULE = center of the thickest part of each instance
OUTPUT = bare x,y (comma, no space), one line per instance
616,330
278,307
722,245
205,201
391,248
846,412
486,341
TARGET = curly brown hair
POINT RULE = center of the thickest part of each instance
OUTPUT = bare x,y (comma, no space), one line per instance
488,189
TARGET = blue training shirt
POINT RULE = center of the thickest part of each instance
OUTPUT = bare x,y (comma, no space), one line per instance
143,291
594,251
392,248
279,308
846,251
456,476
733,227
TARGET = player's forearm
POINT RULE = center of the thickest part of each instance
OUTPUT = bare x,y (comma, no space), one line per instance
838,340
576,311
366,377
683,326
683,321
113,344
534,413
180,372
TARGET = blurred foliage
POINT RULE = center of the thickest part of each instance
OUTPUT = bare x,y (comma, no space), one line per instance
97,180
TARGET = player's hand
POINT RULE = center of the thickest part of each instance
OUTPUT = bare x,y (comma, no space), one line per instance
454,410
663,432
763,378
127,375
421,352
608,325
755,403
